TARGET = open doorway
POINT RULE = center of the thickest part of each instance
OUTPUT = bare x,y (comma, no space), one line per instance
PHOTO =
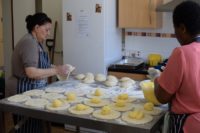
1,38
2,79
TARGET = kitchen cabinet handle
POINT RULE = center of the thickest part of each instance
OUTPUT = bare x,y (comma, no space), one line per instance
150,7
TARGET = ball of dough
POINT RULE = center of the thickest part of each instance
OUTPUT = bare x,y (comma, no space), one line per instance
88,80
127,79
112,78
124,79
100,77
110,83
89,75
71,68
80,76
126,84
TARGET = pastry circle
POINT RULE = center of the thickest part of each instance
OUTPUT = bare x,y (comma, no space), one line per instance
63,107
130,99
77,100
73,110
52,96
127,107
113,115
147,118
102,103
34,93
91,95
18,98
37,103
78,92
55,90
155,111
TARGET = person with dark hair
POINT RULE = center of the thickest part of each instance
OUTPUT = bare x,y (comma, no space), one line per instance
31,66
179,83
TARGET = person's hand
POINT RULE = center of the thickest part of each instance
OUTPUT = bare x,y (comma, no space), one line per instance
61,70
153,73
70,67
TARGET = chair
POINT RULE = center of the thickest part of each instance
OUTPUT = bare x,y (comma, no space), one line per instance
50,43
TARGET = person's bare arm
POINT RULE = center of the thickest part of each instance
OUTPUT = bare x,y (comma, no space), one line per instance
162,96
37,73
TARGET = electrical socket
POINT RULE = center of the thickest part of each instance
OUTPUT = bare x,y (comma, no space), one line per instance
138,54
135,53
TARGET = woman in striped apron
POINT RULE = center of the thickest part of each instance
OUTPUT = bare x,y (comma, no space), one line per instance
179,82
25,84
31,65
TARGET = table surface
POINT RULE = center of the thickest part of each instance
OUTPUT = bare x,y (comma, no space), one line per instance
87,121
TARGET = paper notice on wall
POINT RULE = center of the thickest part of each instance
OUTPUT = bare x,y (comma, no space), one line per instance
83,24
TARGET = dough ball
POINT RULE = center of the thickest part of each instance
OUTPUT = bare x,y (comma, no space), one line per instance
80,76
89,75
127,79
110,83
100,77
71,68
112,78
88,80
126,84
124,79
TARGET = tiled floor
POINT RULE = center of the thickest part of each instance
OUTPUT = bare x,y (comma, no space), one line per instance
54,129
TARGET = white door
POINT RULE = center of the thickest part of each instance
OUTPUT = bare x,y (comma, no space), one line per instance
1,37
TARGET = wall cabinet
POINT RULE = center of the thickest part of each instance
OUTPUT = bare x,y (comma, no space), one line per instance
139,14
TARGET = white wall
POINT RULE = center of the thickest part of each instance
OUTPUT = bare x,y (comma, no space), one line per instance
147,45
21,8
112,34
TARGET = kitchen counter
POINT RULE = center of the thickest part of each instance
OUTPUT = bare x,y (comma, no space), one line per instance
136,72
142,69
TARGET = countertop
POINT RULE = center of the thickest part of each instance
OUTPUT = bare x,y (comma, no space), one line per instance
142,69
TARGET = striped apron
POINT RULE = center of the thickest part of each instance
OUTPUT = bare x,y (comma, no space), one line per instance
176,122
25,84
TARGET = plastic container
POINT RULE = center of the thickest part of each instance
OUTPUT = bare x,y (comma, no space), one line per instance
148,91
154,59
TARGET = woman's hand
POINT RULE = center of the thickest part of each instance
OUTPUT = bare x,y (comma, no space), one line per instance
61,70
153,73
64,70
